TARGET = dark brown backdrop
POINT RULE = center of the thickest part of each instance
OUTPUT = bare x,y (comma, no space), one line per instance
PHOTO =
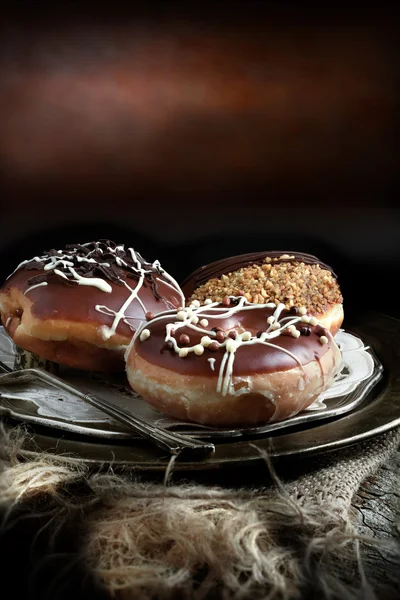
192,136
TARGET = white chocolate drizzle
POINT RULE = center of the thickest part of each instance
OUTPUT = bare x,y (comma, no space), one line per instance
36,286
212,363
65,263
190,316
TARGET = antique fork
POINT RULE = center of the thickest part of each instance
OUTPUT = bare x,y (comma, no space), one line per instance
174,443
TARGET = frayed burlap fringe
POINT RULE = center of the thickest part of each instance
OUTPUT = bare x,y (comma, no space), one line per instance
146,540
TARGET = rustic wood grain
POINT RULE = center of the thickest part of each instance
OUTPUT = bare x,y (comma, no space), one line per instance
376,513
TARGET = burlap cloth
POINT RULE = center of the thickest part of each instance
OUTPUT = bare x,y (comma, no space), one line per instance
275,532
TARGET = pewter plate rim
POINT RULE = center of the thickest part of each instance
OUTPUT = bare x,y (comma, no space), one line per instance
355,399
336,406
379,413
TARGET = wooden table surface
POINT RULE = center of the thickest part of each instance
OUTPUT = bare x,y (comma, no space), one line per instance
376,512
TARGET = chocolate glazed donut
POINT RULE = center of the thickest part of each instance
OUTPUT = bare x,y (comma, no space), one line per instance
233,363
81,306
293,278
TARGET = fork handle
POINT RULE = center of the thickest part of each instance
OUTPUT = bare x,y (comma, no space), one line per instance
4,368
167,440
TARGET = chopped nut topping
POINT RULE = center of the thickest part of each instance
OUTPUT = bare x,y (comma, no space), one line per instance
310,287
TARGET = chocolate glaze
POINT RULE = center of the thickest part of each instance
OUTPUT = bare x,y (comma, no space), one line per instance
104,259
249,359
77,303
234,263
101,283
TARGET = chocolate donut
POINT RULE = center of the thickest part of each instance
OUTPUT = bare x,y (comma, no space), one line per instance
293,278
80,306
233,363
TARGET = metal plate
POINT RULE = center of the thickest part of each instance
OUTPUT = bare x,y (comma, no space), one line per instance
379,411
37,403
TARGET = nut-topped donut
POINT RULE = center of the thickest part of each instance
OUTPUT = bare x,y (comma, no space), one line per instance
80,306
292,278
232,362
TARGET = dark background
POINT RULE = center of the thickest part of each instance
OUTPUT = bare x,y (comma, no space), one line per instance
194,131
